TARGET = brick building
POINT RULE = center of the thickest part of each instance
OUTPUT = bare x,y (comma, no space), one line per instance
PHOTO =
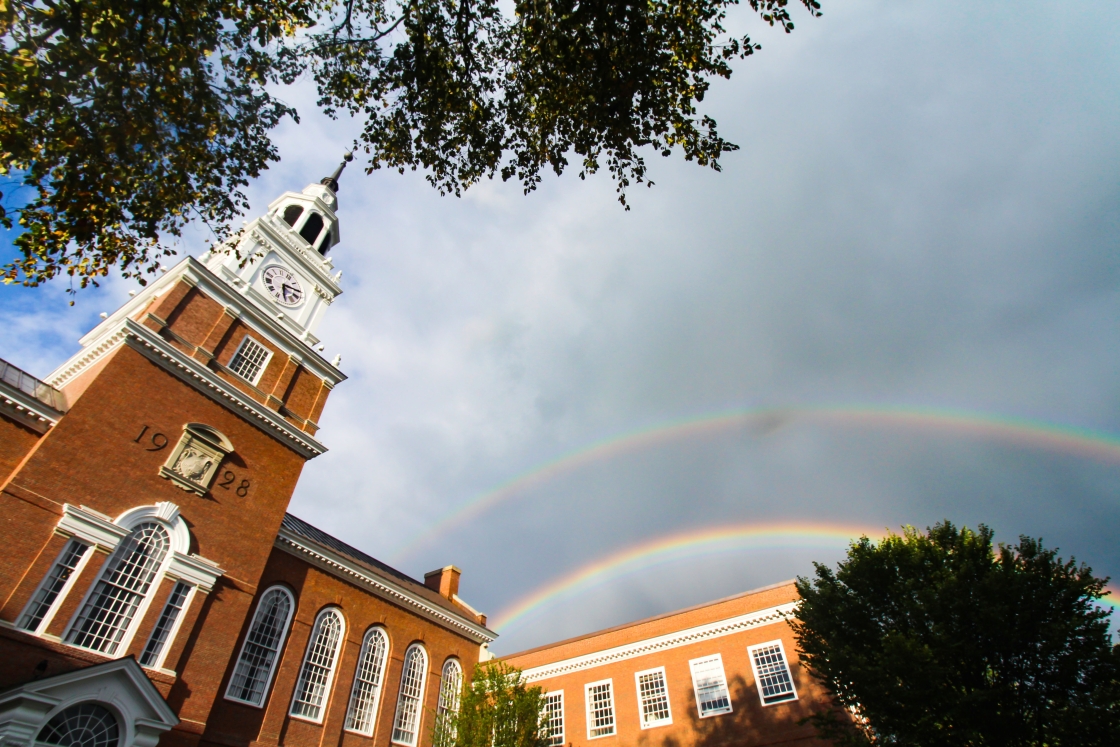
722,673
139,603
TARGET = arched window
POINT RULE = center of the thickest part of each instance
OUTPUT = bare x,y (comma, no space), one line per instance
261,649
311,228
406,725
292,214
366,693
111,606
82,725
318,666
325,244
450,689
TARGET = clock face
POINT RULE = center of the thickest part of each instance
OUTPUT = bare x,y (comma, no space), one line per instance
283,285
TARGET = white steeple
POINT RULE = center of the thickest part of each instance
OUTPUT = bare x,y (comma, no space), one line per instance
281,261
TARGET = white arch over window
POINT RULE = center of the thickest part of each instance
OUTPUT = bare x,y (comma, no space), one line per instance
365,695
450,690
317,673
256,664
414,676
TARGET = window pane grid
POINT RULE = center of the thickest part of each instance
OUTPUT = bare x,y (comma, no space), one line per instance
451,683
108,612
315,678
249,359
772,674
367,683
654,698
600,703
554,718
82,725
711,686
258,655
166,622
408,702
52,586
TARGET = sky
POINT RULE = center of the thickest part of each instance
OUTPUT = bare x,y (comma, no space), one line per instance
901,283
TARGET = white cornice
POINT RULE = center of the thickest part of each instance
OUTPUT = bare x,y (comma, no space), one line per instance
91,526
337,565
685,637
195,570
26,409
310,259
162,353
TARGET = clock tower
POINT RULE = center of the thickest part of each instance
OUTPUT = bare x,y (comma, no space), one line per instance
281,261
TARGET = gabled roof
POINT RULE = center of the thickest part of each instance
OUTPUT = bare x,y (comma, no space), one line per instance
395,580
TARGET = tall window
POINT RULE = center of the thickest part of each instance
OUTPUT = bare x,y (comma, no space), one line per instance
48,592
154,650
318,666
450,688
406,725
600,709
366,693
554,717
710,685
111,606
653,698
311,228
261,649
771,672
249,360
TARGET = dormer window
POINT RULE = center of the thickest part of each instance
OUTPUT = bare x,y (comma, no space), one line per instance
292,214
312,227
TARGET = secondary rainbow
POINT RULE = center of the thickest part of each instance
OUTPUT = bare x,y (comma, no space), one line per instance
1038,434
672,548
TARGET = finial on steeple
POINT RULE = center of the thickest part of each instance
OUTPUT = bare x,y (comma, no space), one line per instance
331,182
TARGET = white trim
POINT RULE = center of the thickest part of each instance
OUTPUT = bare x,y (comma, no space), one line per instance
162,353
285,631
79,568
174,631
380,685
688,636
194,570
609,682
641,705
339,566
696,690
91,527
563,721
785,661
27,410
329,685
248,338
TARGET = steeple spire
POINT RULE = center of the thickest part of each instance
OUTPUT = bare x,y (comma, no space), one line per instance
331,182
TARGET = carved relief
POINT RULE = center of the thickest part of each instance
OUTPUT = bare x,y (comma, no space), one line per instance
194,462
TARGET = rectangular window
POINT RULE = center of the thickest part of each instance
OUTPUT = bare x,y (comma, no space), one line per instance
554,717
600,709
653,698
165,625
771,672
53,585
249,360
710,685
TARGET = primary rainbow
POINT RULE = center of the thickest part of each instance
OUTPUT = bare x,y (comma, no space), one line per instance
1081,442
687,545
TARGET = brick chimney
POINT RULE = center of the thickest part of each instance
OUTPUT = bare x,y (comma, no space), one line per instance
444,580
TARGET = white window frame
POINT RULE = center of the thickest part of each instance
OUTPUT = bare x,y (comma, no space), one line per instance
587,699
757,681
448,701
641,705
331,670
552,738
380,684
161,657
696,690
79,568
153,589
423,694
284,632
264,363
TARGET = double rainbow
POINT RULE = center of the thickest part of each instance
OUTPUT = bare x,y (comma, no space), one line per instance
1035,434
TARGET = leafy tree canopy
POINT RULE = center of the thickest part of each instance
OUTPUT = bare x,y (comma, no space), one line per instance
498,709
939,638
123,120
